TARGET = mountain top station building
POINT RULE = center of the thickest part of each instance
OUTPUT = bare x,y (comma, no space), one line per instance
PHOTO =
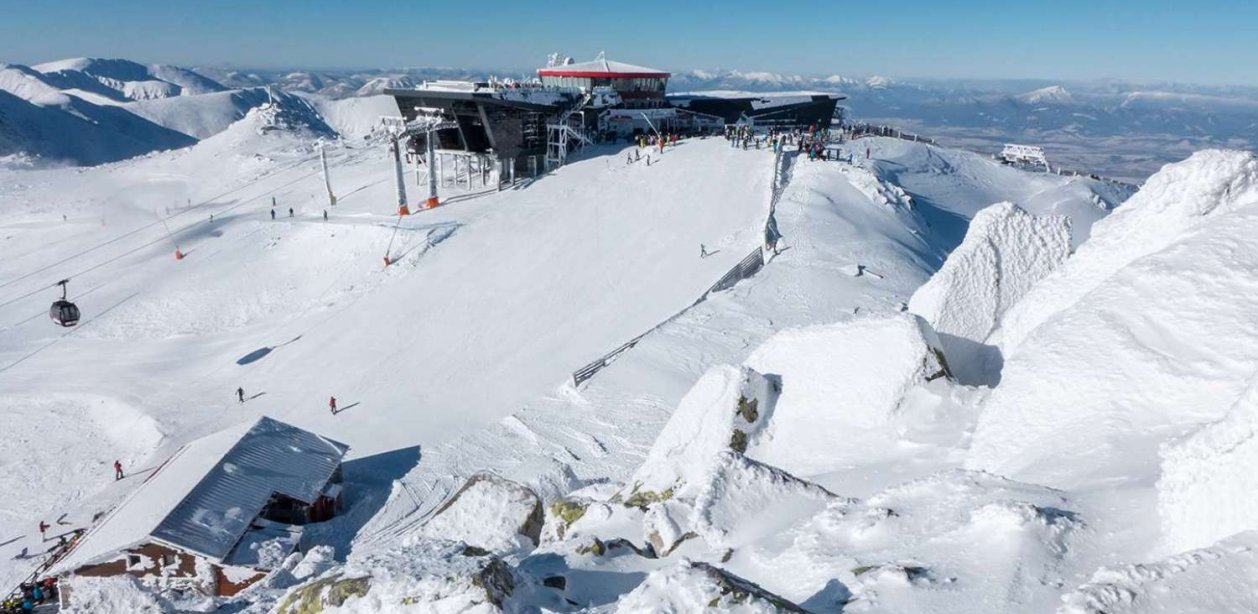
528,126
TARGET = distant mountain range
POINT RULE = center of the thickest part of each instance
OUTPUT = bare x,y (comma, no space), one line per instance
89,111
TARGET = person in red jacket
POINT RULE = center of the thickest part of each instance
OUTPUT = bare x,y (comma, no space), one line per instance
117,470
332,405
43,528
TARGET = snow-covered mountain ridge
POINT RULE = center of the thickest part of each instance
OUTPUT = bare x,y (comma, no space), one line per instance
91,111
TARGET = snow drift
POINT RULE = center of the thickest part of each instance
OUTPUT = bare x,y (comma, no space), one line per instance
1147,332
694,587
1209,489
1215,579
839,378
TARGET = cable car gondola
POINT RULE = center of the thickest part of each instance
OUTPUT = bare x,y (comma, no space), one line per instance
63,312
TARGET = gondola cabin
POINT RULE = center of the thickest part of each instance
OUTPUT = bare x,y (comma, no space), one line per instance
63,312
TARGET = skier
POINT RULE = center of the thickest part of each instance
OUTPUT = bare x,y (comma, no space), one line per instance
240,394
703,251
272,213
325,215
332,405
117,470
43,529
290,212
866,153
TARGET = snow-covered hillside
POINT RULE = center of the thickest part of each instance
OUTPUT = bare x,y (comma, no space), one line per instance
955,386
90,111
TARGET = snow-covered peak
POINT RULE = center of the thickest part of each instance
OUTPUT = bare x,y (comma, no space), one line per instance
28,84
126,79
840,80
1053,94
879,82
122,70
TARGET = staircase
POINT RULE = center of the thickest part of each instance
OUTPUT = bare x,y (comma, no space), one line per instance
568,130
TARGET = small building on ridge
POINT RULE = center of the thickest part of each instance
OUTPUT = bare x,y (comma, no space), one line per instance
218,514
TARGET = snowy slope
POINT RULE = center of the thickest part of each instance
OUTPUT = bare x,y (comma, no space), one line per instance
950,186
568,268
199,116
355,117
78,131
456,359
1144,334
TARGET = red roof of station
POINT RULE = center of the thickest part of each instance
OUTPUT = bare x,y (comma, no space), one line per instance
600,68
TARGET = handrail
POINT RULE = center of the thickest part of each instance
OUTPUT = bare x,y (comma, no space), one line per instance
748,266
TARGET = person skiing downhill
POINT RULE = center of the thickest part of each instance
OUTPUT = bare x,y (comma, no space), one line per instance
272,213
117,470
332,405
240,394
290,212
43,528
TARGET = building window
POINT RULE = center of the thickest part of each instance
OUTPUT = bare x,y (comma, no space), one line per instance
133,561
168,560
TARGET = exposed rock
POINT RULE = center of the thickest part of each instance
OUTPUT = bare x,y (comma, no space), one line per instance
665,526
563,513
429,575
333,591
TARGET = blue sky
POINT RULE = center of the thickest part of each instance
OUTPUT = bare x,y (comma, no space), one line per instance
1198,41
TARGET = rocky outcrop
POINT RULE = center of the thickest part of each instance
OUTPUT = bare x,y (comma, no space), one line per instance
696,587
491,513
726,409
314,597
427,576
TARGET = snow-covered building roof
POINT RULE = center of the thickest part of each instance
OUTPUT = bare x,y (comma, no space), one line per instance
204,498
602,67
